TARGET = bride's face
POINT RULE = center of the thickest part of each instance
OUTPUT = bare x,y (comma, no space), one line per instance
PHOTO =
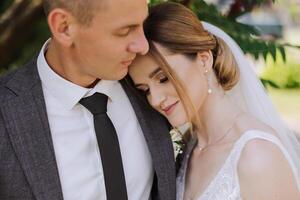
160,92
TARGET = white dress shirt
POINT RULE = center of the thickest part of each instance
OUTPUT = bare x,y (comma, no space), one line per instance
75,144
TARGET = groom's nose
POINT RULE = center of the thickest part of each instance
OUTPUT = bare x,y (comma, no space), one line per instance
140,44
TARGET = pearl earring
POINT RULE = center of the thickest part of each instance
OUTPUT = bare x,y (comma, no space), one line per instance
209,91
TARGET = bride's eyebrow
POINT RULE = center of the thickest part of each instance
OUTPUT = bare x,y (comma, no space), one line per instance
152,74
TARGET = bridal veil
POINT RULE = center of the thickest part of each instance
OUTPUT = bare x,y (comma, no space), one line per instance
251,96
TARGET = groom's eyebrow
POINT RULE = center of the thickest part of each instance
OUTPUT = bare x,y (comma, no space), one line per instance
154,72
133,25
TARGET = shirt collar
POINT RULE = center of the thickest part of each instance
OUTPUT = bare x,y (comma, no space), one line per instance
68,93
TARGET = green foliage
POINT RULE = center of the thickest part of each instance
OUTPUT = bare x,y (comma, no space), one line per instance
246,36
40,33
155,2
267,83
282,74
287,102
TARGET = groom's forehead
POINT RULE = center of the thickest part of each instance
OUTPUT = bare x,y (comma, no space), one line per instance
120,13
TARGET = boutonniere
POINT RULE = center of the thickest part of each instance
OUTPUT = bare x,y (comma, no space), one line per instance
177,141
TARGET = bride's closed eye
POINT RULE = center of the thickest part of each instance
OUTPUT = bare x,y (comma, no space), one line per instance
144,89
160,77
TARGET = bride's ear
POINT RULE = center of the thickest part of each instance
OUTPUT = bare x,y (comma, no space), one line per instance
205,60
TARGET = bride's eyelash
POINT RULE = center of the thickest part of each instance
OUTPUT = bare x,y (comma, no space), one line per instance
164,79
145,92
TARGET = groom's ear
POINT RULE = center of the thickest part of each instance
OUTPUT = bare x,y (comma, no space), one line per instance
205,59
62,25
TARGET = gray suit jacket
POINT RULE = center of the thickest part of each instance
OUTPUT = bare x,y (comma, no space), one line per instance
28,167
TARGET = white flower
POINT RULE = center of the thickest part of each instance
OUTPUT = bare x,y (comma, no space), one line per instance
176,137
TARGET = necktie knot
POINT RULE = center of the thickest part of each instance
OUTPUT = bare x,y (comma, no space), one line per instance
96,104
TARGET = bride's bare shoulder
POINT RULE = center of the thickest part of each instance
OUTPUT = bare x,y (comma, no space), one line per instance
262,170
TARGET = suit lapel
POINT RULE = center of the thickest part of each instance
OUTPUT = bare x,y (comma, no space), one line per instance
27,125
158,140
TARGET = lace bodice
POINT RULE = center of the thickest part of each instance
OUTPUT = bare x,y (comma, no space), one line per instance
225,185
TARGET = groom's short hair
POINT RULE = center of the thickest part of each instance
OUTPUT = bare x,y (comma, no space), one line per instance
83,10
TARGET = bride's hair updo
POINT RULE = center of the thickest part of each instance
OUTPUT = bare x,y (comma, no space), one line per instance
179,30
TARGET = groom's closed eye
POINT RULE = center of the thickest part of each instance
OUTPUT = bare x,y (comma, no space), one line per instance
126,30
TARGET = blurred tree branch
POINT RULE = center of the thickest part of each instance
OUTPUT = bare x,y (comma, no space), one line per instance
15,27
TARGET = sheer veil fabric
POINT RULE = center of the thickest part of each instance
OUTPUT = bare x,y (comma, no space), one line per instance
251,96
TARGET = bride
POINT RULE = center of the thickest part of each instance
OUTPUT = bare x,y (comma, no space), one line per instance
238,147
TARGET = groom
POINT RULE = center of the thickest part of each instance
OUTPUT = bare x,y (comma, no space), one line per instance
56,140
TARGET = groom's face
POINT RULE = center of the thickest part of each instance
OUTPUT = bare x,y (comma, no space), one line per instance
106,47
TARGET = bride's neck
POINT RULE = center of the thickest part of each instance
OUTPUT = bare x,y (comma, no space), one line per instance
217,115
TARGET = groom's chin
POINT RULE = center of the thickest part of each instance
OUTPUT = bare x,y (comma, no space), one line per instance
118,75
123,71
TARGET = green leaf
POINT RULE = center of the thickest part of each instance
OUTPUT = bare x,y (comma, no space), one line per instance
282,52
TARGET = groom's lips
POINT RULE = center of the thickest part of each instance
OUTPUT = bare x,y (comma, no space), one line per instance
169,109
127,62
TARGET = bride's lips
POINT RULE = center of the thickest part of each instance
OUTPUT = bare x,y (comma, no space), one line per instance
169,109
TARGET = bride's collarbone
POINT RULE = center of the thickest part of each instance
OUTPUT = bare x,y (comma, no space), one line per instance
203,168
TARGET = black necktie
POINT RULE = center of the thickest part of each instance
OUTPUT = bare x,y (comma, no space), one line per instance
109,147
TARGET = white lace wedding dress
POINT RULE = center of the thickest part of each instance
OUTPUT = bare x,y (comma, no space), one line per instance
225,185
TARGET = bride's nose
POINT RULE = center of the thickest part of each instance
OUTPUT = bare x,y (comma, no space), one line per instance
158,97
